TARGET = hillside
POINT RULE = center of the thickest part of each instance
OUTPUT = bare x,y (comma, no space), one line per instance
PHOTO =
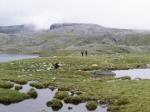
16,29
71,38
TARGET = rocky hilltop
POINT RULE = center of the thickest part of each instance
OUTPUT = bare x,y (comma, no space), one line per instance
80,29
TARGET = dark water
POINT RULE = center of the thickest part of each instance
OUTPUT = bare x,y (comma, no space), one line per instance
13,57
134,73
39,104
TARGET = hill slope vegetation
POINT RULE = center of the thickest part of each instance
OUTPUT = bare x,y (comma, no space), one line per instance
70,38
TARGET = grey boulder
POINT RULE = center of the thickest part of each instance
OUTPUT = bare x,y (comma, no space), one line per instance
99,73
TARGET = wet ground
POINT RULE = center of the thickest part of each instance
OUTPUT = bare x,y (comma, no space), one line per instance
39,104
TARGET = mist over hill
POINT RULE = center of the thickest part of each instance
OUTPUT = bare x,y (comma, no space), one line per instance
16,29
71,38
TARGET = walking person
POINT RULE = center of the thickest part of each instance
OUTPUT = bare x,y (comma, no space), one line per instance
82,53
86,52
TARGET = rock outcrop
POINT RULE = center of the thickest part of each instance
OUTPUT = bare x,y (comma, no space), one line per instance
99,73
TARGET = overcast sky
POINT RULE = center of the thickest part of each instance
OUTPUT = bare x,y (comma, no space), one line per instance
133,14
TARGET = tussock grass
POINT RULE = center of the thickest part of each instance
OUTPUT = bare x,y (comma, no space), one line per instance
11,96
61,95
56,104
73,99
6,84
18,87
32,93
91,105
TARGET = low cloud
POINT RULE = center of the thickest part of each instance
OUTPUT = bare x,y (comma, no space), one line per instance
110,13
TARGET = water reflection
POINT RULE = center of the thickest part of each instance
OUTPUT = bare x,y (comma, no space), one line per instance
39,104
134,73
13,57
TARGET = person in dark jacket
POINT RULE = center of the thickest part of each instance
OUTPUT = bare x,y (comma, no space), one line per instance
82,53
86,52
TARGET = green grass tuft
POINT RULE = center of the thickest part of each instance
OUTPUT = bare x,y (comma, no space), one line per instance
91,105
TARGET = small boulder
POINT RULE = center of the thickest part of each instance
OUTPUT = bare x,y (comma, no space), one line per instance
69,108
125,78
52,88
94,65
99,73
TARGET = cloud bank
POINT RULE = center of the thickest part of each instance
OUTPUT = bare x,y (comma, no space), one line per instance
111,13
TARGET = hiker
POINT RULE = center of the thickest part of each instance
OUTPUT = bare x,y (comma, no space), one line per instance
86,53
82,53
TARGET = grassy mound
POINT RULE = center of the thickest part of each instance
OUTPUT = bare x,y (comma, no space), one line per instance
91,105
18,88
6,84
32,93
61,95
21,81
56,104
73,99
40,85
11,96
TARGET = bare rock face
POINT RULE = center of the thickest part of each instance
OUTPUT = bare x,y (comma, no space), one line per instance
98,73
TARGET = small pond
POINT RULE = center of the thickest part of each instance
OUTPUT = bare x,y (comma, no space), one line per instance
134,73
13,57
39,104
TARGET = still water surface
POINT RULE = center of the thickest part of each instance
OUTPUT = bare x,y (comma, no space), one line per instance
134,73
13,57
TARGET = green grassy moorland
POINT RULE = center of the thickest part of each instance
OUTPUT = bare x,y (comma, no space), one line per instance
73,75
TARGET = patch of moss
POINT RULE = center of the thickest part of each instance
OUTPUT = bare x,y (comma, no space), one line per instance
63,88
125,78
122,101
21,82
18,88
73,99
61,95
112,108
40,85
56,104
6,84
91,105
32,93
37,85
75,92
11,96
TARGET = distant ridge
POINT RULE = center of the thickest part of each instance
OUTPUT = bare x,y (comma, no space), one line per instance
69,38
16,28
